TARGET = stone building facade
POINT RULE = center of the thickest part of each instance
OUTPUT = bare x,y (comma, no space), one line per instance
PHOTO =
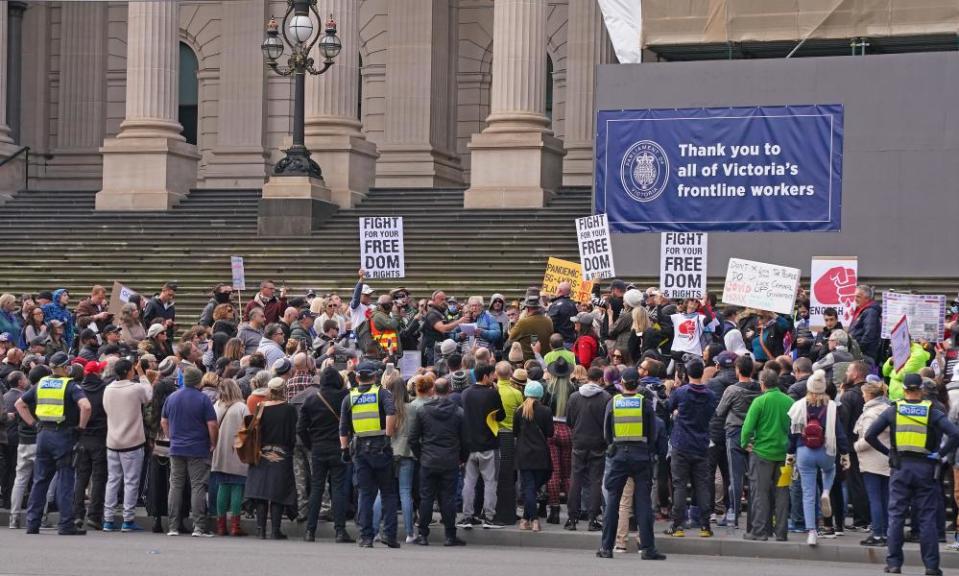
146,100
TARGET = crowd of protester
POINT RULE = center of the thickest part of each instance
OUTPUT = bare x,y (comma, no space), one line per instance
495,413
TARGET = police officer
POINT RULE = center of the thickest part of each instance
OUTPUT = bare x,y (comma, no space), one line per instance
630,430
62,411
367,417
915,431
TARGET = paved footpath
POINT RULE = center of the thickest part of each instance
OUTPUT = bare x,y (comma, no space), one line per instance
727,542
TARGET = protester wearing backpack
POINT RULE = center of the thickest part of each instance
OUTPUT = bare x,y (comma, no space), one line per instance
814,438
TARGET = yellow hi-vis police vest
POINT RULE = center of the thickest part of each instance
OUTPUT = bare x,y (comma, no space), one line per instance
912,426
628,418
51,394
365,412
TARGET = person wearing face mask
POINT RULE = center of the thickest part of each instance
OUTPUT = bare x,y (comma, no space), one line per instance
408,318
222,294
384,328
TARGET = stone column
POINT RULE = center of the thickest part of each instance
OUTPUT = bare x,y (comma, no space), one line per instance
149,165
6,140
239,157
419,148
516,161
333,132
81,113
15,10
587,46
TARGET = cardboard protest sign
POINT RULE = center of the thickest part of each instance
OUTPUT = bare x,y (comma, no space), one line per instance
761,286
119,296
238,272
557,271
595,247
900,342
833,282
682,264
926,314
381,247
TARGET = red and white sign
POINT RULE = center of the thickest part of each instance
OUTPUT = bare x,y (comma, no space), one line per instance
833,280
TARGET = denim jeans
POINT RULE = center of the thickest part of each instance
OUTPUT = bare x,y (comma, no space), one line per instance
532,481
877,488
809,461
738,461
404,472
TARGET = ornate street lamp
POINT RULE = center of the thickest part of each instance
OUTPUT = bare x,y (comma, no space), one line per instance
298,33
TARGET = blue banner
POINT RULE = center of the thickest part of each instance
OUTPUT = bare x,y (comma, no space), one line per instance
756,169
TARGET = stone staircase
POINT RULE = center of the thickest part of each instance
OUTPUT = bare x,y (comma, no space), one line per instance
56,239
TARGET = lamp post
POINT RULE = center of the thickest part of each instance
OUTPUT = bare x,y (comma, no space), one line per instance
297,32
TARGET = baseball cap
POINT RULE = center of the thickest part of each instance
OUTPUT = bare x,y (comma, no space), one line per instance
630,374
94,367
87,334
912,381
5,337
311,293
617,284
366,368
726,359
306,314
367,289
59,359
111,328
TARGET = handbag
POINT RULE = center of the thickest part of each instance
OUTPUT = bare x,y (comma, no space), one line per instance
247,442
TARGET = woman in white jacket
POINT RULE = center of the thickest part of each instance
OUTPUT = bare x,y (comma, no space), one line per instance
873,464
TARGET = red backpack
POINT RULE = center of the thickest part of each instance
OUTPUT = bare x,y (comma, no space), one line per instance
814,435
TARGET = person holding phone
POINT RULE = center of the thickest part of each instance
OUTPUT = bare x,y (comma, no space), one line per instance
535,327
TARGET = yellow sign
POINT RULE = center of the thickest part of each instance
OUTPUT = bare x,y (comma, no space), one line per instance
565,271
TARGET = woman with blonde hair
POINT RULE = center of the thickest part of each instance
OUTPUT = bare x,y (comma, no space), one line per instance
873,464
226,466
131,328
579,376
532,426
815,437
270,483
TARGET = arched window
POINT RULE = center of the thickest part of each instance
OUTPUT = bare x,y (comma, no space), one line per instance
549,88
189,96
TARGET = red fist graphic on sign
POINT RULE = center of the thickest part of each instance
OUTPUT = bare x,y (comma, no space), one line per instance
836,286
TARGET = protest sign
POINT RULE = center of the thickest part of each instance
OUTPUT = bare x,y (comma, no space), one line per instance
926,314
900,342
833,285
381,247
557,271
755,169
761,286
119,296
239,272
682,265
595,249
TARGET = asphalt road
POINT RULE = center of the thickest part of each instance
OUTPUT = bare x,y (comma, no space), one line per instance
99,554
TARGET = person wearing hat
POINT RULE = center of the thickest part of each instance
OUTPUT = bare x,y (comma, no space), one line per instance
584,416
497,310
360,311
586,347
303,329
111,336
158,340
61,410
367,423
816,437
722,379
57,310
532,426
408,318
536,326
189,421
89,345
558,390
91,455
916,431
384,330
162,307
271,483
629,426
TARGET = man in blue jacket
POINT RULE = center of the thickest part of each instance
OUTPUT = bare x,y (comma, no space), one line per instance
866,326
694,405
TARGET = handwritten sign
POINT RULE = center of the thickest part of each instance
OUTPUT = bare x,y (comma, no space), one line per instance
900,342
682,264
926,314
595,248
238,271
381,247
558,270
761,286
119,296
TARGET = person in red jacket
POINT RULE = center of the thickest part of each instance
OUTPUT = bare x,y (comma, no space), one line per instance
586,347
273,307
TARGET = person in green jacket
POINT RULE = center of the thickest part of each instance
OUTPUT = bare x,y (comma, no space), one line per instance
918,358
766,427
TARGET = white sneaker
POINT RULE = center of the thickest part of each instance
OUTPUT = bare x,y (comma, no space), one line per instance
812,539
619,549
410,539
825,504
173,533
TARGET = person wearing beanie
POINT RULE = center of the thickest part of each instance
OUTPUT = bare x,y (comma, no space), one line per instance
693,406
767,428
189,421
918,433
815,438
532,426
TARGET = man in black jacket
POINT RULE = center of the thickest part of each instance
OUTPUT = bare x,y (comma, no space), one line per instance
91,453
437,440
481,401
723,379
318,428
561,312
585,414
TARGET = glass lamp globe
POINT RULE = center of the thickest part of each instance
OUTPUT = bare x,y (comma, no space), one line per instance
300,28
